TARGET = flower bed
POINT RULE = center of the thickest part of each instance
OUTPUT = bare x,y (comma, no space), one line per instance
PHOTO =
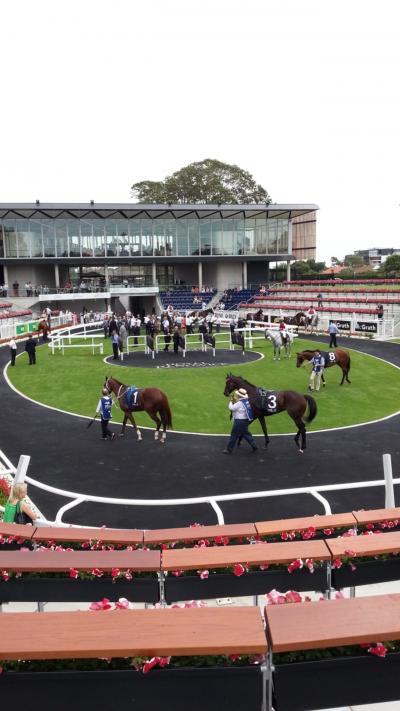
350,570
244,580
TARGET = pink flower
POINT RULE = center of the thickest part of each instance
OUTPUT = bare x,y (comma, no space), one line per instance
293,596
73,573
349,533
234,657
369,526
128,575
295,565
101,605
379,650
284,536
337,563
115,573
154,661
203,574
97,573
5,575
339,595
122,604
238,569
275,598
310,564
85,544
328,531
177,573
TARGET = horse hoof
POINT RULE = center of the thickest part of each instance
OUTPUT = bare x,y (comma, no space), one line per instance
301,451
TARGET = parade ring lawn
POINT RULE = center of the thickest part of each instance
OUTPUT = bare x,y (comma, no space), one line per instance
73,382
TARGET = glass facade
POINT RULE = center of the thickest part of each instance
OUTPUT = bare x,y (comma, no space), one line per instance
108,238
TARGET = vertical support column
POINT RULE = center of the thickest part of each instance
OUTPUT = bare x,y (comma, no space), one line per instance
200,275
57,276
154,273
107,277
244,275
22,468
288,270
5,272
268,277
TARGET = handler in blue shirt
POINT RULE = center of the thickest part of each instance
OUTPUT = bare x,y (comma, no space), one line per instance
242,416
104,409
317,370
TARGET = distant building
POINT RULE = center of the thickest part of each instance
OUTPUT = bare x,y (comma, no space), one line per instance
376,257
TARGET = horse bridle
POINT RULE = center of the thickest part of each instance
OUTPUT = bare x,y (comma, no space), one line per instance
118,396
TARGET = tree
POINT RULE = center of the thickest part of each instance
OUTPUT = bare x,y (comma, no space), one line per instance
353,260
207,181
335,262
391,266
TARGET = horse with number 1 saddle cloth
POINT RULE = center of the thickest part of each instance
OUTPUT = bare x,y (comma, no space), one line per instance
132,397
266,401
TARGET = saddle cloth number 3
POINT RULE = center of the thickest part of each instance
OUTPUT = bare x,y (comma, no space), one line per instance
271,403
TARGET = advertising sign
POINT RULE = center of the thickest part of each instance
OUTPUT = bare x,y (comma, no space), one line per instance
28,327
366,326
342,325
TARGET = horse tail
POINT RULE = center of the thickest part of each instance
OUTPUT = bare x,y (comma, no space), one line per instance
165,413
312,408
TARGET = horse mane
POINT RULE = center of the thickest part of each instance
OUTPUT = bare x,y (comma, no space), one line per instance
306,352
244,380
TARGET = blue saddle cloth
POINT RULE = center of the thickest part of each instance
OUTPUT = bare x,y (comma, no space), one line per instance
130,398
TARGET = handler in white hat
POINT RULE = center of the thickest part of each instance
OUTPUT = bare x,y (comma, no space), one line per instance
242,414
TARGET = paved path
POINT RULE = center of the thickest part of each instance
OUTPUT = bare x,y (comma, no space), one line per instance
66,455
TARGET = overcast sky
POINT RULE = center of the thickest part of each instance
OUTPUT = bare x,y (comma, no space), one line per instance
304,94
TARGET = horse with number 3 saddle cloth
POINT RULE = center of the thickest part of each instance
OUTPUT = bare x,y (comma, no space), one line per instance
266,401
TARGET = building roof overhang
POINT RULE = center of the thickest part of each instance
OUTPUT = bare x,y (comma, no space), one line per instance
93,210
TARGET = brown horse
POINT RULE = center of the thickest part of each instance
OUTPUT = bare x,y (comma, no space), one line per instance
150,400
265,403
338,357
45,328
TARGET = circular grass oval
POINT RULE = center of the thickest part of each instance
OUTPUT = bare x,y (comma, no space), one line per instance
73,382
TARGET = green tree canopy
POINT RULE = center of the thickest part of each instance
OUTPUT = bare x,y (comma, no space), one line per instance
391,266
353,260
207,181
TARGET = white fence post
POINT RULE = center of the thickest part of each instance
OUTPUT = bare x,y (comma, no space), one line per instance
22,468
389,488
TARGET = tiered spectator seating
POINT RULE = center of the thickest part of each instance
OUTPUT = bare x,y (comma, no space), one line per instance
234,298
182,300
5,305
15,314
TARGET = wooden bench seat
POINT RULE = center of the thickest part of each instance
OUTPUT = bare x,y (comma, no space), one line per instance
60,561
376,515
317,625
196,533
269,528
81,535
16,529
259,554
129,633
365,545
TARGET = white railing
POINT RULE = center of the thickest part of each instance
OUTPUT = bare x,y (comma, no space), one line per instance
82,331
10,330
316,491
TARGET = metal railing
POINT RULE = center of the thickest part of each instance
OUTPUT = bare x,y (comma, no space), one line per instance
316,491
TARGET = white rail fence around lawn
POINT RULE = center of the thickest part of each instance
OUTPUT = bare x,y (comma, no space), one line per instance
86,332
317,492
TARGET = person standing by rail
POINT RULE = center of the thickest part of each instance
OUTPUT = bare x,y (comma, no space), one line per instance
333,332
13,350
